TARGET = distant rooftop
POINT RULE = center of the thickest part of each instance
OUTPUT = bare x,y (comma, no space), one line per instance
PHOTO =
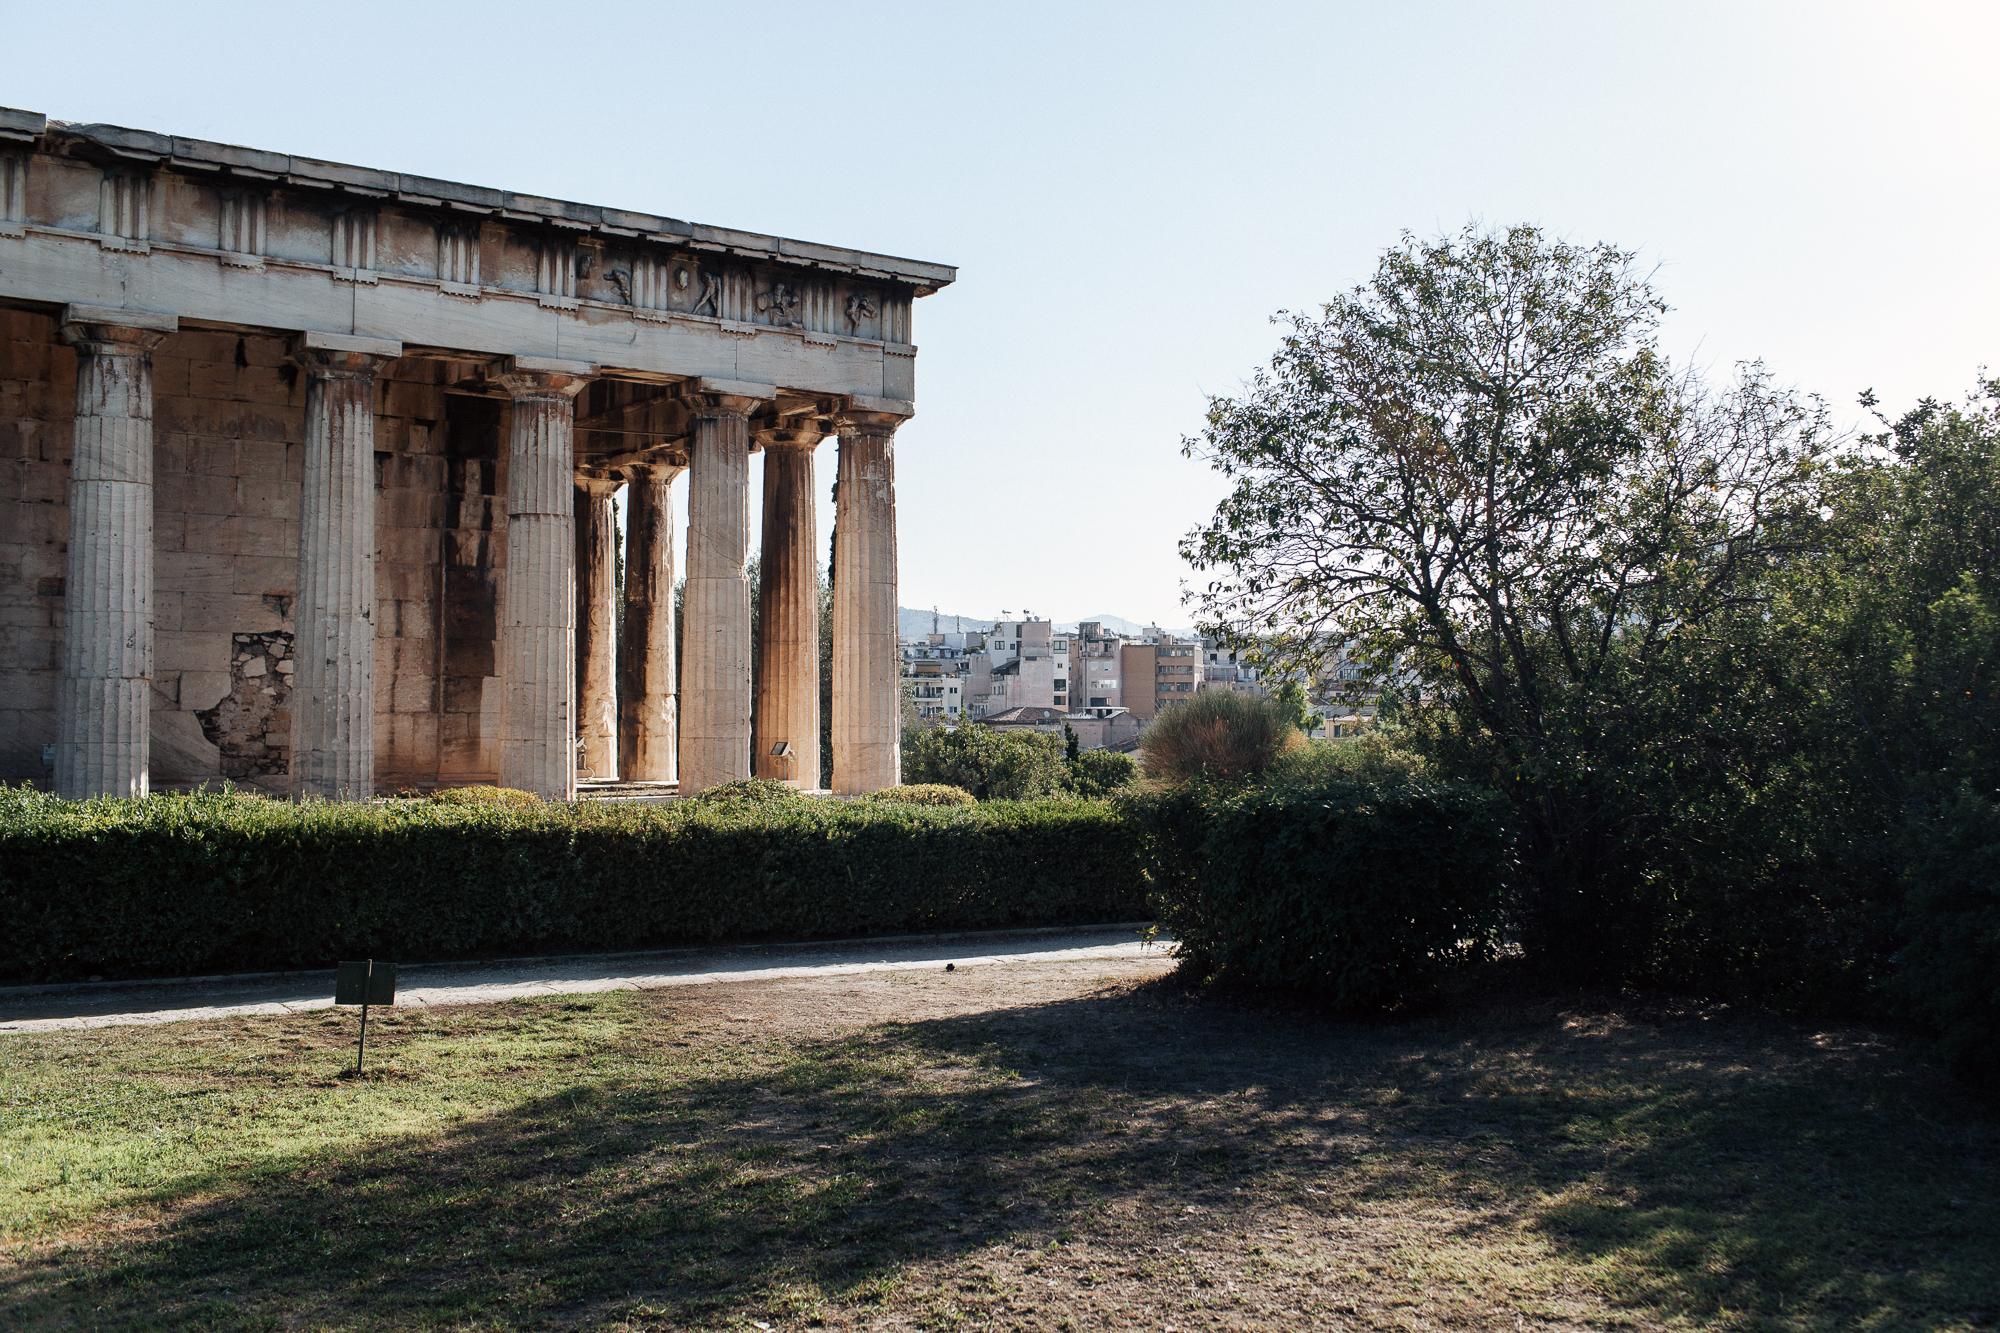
1027,716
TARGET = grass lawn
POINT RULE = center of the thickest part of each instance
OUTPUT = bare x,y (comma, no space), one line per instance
1061,1145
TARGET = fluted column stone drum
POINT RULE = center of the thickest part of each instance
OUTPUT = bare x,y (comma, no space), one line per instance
103,694
333,683
715,646
867,661
786,714
597,626
538,606
648,735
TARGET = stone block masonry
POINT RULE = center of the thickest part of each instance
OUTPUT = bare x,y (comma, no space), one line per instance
310,476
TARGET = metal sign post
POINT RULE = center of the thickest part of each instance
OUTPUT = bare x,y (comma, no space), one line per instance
364,983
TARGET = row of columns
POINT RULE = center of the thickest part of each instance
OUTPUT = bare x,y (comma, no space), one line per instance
563,686
719,722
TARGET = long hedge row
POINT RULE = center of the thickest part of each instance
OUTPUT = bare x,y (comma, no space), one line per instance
187,884
1358,893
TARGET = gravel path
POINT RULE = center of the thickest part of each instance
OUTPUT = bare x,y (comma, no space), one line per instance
110,1004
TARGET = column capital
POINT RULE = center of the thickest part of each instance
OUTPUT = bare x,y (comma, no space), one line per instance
714,397
115,331
343,353
544,377
793,433
875,414
659,468
600,487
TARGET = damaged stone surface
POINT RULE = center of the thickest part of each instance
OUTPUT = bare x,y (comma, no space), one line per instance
251,726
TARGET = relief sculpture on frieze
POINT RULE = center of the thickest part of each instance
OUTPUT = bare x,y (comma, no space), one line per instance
780,305
710,300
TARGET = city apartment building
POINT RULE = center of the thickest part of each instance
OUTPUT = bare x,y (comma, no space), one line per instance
937,669
1096,669
1025,664
1028,672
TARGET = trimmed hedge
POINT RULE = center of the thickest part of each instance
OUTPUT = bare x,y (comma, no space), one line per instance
212,882
923,793
1949,972
1355,894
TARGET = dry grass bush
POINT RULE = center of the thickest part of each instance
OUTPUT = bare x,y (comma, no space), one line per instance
507,798
1217,736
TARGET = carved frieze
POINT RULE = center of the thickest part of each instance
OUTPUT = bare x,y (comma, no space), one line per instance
124,206
710,301
555,271
780,306
13,193
241,228
254,221
458,258
354,232
649,286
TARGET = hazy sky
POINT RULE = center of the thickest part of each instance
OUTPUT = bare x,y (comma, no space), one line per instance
1131,191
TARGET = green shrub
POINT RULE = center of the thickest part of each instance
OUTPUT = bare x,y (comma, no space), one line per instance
923,793
748,791
211,882
1099,773
1950,970
512,797
1357,895
992,765
1370,757
1217,736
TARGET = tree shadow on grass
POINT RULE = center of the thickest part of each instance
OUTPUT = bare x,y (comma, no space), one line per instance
1718,1170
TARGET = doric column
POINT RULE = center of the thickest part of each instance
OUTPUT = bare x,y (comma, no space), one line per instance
715,669
867,664
333,684
648,734
538,608
596,626
103,697
787,703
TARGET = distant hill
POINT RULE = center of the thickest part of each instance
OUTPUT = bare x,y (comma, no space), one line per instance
914,623
1132,629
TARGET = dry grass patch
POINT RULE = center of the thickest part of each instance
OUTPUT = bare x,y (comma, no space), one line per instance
1046,1145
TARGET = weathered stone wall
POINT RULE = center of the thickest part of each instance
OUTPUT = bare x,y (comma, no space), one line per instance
228,432
37,405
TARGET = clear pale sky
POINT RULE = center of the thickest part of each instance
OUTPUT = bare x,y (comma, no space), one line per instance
1131,191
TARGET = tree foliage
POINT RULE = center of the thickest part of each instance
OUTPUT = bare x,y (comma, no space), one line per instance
992,765
1099,773
1478,475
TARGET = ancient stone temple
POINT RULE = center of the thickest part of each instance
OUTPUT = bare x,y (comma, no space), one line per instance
312,476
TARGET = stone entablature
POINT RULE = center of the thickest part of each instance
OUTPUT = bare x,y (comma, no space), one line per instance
319,492
242,236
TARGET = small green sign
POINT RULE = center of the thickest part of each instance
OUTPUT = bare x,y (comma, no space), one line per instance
364,983
367,982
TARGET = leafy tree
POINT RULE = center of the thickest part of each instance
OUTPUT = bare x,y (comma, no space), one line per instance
1479,473
992,765
1291,704
1097,773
